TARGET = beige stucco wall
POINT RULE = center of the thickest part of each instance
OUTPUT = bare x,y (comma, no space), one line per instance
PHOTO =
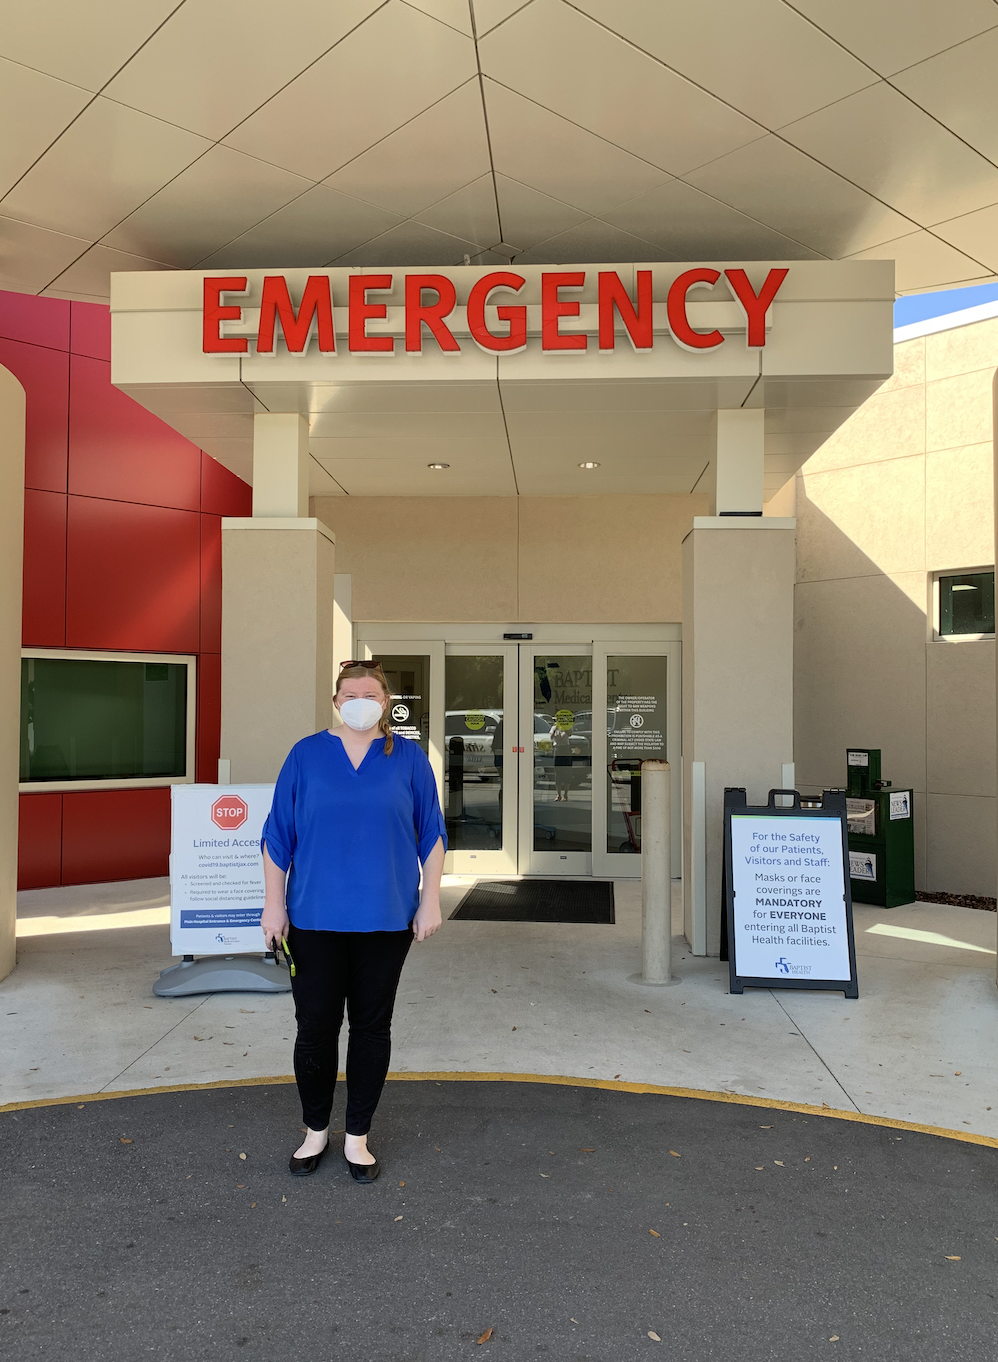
903,490
11,545
533,559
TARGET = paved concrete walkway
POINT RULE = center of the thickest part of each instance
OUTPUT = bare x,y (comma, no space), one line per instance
918,1045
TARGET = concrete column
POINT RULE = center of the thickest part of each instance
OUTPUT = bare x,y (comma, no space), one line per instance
280,464
738,622
342,620
737,481
11,554
994,439
277,609
277,640
656,873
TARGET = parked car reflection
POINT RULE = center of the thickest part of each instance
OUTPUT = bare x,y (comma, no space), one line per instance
480,731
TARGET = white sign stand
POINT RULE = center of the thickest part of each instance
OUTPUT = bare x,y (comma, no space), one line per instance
217,892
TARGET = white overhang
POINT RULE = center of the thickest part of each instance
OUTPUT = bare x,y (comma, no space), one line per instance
522,423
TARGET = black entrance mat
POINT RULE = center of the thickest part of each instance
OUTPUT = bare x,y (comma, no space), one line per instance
537,901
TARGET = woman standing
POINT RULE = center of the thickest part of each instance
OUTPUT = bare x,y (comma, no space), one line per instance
561,746
355,812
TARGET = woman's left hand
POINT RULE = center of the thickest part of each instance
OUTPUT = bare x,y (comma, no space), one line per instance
427,920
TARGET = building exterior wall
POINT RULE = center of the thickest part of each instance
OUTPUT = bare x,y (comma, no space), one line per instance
599,559
903,490
122,552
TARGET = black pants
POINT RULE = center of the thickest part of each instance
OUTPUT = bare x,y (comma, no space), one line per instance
360,969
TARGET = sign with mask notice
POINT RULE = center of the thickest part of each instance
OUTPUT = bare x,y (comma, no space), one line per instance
216,868
789,910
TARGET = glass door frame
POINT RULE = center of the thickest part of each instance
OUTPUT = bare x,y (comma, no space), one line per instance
504,860
434,650
620,865
431,639
532,862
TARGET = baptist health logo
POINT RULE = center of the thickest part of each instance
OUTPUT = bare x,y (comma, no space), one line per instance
784,966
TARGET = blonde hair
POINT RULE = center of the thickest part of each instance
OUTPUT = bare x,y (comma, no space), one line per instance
363,674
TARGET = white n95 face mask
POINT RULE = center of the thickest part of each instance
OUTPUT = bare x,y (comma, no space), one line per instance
360,714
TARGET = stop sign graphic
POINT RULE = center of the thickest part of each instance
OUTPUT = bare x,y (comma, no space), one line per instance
229,812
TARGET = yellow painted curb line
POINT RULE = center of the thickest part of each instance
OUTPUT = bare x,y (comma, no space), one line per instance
556,1080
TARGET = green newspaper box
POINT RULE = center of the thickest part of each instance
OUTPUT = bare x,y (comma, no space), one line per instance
881,833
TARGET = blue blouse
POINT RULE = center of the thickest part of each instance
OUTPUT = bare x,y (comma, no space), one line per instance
353,839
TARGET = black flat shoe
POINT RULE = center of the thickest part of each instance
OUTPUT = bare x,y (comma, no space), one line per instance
300,1168
364,1172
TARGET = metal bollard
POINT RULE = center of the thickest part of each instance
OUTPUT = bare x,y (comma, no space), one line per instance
656,873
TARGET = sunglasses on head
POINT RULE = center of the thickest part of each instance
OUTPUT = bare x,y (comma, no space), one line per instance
373,665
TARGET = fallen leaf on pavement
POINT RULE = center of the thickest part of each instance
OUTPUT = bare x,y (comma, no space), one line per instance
583,1150
240,1186
486,1336
952,1257
765,1127
674,1154
283,1199
248,1010
808,1159
616,1075
401,1184
834,1338
397,1219
778,1162
252,1205
653,1336
124,1141
242,1156
655,1233
514,1028
758,1167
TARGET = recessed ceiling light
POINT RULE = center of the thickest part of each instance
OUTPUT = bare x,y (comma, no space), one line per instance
438,465
589,463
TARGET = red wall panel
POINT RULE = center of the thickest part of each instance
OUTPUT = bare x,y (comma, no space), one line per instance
209,716
133,577
120,451
43,594
211,584
39,840
222,493
90,330
115,835
39,321
44,376
125,562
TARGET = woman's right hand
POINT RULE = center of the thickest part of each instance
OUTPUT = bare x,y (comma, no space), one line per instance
274,923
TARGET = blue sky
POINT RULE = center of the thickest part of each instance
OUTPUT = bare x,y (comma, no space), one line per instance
921,306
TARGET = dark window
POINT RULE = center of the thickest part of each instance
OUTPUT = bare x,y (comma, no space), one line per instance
84,719
967,604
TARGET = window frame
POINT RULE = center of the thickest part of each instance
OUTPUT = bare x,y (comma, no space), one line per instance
937,636
189,660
